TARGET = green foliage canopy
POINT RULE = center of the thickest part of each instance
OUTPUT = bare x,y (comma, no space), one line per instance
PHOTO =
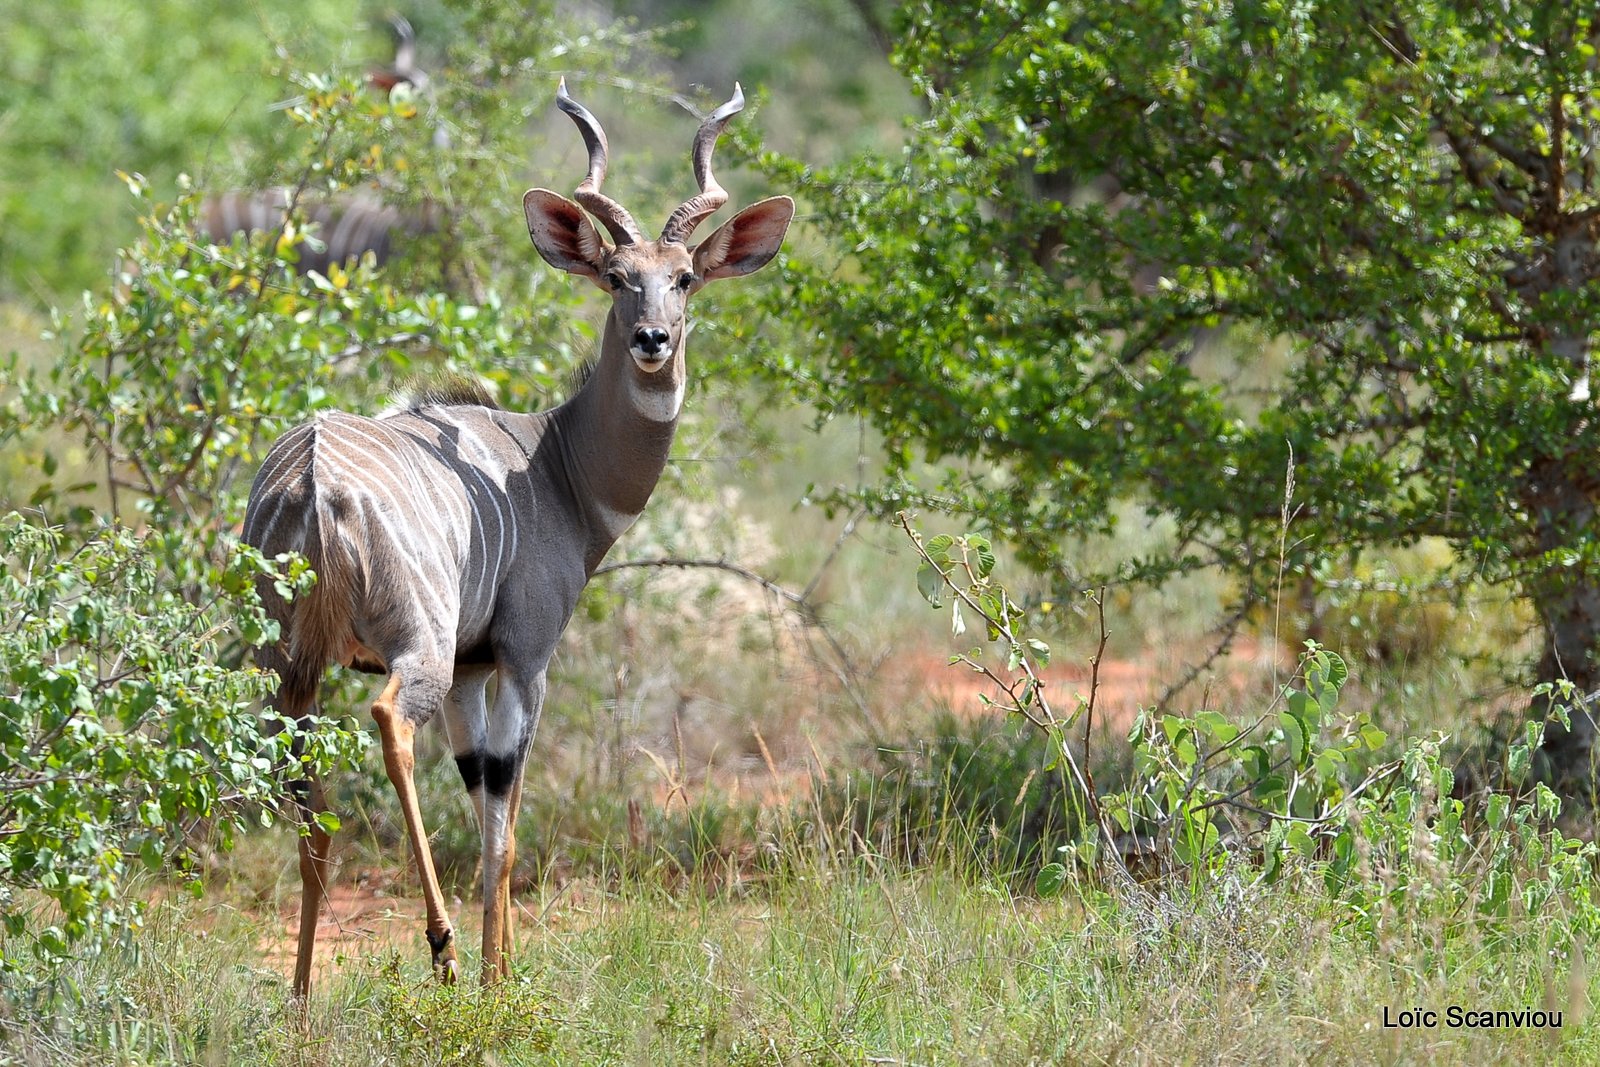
91,86
1408,199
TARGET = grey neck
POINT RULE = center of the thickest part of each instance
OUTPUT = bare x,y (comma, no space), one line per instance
612,440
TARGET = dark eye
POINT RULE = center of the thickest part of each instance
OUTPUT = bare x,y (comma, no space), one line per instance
684,281
613,280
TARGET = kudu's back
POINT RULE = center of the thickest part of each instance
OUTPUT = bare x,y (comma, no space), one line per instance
412,523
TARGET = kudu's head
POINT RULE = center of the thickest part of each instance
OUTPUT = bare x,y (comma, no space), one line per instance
650,282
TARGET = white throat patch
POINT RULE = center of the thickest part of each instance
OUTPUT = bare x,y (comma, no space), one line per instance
657,405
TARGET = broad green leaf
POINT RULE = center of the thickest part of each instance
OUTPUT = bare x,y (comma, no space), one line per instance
983,554
1303,708
1519,759
1216,727
1499,805
1051,879
1337,672
1295,735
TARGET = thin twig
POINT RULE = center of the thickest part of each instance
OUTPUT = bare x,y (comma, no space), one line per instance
843,666
797,599
1094,675
845,533
1031,692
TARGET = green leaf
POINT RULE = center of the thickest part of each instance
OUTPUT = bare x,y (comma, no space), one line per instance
1327,694
1050,881
993,612
1216,727
328,821
1519,760
1303,708
983,554
1337,672
1270,787
1499,805
930,583
1546,804
1295,735
1533,734
1272,852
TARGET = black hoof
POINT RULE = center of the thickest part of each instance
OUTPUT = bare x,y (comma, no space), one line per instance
444,957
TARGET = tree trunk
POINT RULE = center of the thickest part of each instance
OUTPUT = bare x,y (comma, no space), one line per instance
1561,491
1562,495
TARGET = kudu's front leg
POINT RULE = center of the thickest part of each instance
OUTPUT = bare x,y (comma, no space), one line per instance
398,731
516,716
498,925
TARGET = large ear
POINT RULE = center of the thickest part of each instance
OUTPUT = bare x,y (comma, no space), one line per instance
563,234
746,242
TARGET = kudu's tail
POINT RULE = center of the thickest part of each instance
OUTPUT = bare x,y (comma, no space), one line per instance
315,628
319,627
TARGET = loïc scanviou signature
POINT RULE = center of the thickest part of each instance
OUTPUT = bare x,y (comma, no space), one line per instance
1457,1017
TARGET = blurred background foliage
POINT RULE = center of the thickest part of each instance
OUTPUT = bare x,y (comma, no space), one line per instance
91,87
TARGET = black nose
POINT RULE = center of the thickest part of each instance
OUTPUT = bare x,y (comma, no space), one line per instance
650,339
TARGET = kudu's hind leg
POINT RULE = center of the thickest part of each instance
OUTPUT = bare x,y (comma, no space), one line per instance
499,852
294,704
315,846
398,730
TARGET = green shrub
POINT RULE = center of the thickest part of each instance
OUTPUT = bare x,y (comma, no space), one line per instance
122,731
1297,785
